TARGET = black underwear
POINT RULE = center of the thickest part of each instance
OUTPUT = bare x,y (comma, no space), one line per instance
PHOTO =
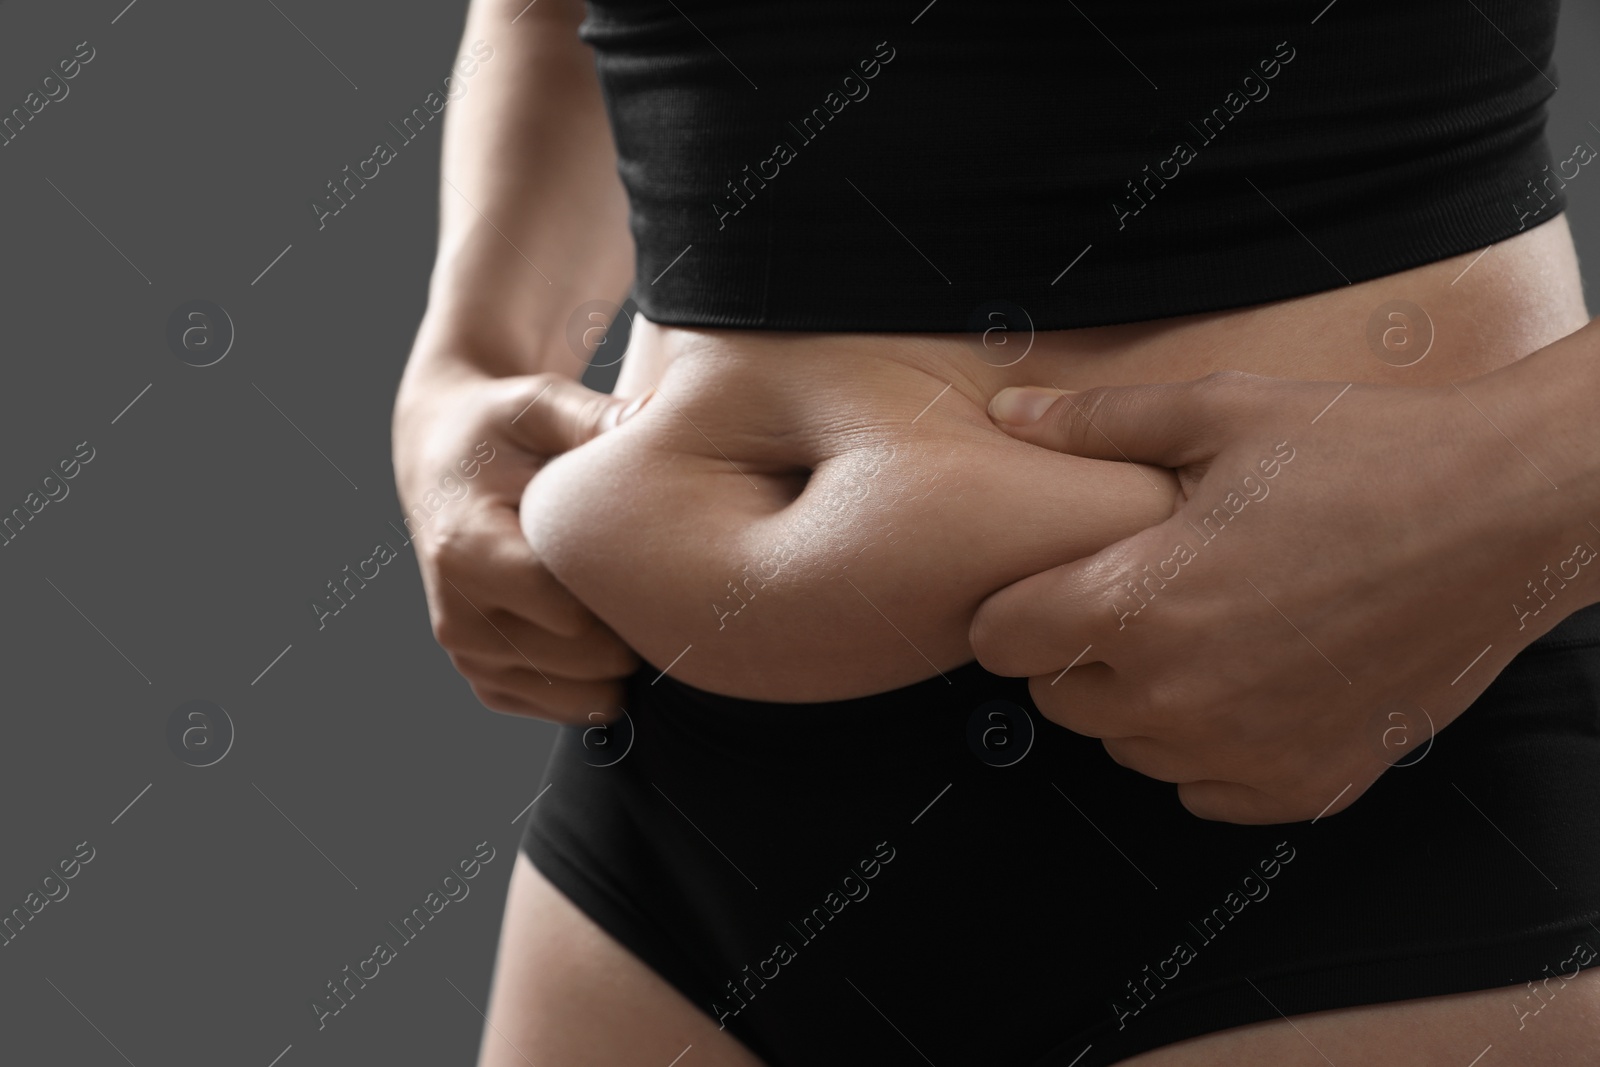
939,873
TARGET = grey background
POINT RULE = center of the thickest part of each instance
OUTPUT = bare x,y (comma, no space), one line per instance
186,554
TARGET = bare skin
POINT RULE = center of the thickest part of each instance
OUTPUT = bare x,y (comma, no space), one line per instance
676,461
567,995
906,489
783,499
1393,569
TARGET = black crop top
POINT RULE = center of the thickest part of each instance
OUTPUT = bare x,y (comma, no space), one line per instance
911,165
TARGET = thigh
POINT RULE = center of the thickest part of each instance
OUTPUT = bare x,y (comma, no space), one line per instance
566,993
1553,1023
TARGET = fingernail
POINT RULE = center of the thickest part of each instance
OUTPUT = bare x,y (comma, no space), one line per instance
632,407
1019,405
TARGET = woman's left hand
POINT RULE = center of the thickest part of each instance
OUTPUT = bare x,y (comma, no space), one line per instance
1350,570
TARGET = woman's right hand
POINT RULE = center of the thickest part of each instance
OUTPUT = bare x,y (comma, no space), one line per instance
523,642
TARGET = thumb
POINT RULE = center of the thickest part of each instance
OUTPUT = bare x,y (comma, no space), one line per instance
1173,424
552,414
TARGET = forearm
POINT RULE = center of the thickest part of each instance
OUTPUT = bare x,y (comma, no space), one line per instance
533,218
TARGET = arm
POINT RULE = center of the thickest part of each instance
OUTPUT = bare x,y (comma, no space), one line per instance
532,224
1384,565
533,219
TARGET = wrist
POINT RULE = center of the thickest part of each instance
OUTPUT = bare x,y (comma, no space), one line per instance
507,321
455,347
457,339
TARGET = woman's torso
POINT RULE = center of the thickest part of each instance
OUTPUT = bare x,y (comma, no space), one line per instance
813,516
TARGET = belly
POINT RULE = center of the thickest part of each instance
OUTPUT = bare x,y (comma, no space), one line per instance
815,516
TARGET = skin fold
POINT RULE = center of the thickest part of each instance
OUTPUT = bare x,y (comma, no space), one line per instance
799,566
817,516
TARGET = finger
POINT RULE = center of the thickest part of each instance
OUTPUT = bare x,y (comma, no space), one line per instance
507,641
485,564
555,699
555,414
1044,622
1172,424
496,636
1247,805
1154,759
1091,700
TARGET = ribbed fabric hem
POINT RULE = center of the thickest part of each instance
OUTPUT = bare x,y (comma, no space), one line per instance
1177,285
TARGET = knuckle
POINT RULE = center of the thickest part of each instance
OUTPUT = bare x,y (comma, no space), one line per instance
1122,752
1073,415
535,384
1169,704
496,700
506,702
521,396
1201,800
451,630
1226,378
590,416
449,544
1223,390
1227,383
